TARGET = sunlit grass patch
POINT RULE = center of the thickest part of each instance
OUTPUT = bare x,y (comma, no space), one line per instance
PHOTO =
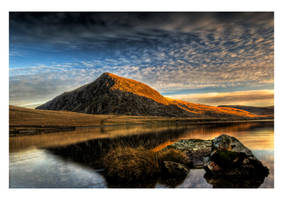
132,165
173,155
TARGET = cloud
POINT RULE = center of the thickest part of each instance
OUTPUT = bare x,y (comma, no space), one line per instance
251,97
185,51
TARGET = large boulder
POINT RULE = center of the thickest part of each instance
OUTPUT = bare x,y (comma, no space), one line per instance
229,157
228,143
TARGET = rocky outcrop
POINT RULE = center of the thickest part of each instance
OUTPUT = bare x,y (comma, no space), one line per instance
222,156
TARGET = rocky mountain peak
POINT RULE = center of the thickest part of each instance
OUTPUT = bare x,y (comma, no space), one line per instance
112,94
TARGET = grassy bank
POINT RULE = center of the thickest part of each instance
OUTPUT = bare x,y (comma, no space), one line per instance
26,117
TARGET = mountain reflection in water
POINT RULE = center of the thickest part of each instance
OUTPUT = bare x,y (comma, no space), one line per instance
74,161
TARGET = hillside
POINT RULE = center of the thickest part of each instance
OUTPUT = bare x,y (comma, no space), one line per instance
213,111
111,94
269,110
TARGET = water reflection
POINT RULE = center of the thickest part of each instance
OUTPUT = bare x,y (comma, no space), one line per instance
228,182
266,158
20,143
73,159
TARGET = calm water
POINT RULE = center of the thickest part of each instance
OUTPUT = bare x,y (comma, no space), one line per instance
61,160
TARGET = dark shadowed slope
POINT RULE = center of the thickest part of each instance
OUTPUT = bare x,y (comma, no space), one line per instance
111,94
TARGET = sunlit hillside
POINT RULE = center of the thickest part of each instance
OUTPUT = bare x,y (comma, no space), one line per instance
112,94
207,110
135,87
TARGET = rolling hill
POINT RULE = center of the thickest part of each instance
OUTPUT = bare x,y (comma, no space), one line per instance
269,110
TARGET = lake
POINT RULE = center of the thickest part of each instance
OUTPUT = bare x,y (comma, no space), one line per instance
70,159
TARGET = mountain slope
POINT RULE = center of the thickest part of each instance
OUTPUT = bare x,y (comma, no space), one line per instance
111,94
269,110
212,111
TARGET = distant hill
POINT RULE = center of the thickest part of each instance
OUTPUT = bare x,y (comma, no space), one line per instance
269,110
111,94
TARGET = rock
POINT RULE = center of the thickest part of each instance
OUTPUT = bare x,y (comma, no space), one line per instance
222,156
228,143
174,169
229,157
173,173
195,149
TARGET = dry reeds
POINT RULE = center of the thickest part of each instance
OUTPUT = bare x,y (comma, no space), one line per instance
131,165
173,155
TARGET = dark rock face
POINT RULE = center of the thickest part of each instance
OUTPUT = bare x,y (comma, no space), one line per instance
229,157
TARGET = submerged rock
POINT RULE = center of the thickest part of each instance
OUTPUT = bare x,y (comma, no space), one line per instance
229,157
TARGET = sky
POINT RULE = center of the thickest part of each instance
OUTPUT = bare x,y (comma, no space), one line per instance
208,58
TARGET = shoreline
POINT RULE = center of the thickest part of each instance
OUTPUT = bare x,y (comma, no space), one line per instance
24,121
25,130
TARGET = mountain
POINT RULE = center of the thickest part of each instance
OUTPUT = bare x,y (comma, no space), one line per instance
112,94
269,110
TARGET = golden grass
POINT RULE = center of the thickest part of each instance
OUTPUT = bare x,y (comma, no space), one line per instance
32,117
19,116
126,164
173,155
130,164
